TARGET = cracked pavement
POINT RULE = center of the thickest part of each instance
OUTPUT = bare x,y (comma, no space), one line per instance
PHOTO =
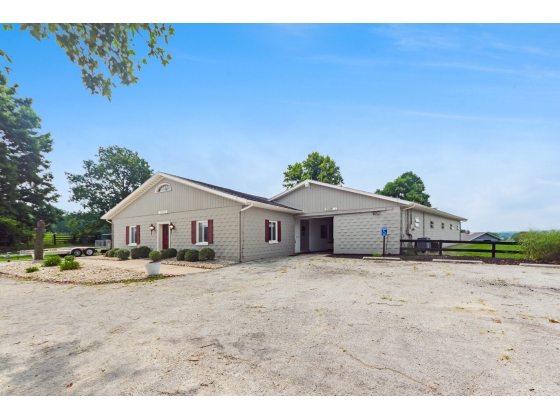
305,325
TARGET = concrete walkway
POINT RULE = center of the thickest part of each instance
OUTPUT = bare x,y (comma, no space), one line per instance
138,265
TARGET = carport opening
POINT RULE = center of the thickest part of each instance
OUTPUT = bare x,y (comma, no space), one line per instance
317,235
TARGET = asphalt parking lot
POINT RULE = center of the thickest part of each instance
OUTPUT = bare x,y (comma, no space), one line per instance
306,325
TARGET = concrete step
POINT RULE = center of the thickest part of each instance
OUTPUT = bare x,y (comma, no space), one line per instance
458,261
382,258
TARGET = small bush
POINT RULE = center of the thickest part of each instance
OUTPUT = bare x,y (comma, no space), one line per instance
69,265
206,254
191,255
123,254
541,246
51,261
144,251
155,256
377,254
181,255
31,269
135,253
172,252
69,258
111,253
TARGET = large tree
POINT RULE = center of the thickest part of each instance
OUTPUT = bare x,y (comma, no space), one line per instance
409,187
26,189
105,183
111,44
316,167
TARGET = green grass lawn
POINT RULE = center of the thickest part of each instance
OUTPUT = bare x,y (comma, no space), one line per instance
474,247
15,257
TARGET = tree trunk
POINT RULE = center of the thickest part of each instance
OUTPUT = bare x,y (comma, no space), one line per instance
39,237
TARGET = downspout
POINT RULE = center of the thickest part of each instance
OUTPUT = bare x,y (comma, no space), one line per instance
240,231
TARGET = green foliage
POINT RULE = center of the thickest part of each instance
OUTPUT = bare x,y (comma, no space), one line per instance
172,252
111,44
191,255
123,254
541,245
26,189
51,261
135,253
144,251
181,255
111,252
377,254
85,223
155,256
69,258
316,167
206,254
166,253
408,187
105,183
31,269
69,265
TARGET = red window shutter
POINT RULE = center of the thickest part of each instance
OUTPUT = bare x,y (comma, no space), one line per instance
210,231
279,231
267,230
193,232
137,234
127,235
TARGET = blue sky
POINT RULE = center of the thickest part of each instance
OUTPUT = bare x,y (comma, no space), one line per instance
472,109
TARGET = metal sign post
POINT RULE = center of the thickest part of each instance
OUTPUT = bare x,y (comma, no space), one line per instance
384,233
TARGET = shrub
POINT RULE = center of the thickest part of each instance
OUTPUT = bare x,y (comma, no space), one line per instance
155,256
144,251
206,254
191,255
135,253
377,254
69,258
69,264
541,246
181,255
172,252
111,252
52,261
123,254
31,269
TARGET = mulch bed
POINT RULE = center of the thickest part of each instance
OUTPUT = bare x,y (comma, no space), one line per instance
485,260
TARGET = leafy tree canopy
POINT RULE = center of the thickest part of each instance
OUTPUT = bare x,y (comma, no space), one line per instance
112,44
316,167
105,183
409,187
26,190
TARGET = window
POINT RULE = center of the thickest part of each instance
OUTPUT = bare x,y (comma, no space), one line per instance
163,188
417,221
451,226
272,232
132,235
431,223
202,233
458,228
324,231
442,225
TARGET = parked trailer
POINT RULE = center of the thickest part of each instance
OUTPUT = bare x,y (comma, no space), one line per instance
100,246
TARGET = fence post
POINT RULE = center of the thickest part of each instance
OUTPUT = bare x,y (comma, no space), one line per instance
440,248
54,239
493,249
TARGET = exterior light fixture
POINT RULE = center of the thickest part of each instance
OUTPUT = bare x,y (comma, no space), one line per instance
152,228
171,227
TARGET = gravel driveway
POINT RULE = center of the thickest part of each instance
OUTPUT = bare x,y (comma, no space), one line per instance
306,325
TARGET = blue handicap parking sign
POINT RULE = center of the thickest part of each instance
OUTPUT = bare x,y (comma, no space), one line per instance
384,231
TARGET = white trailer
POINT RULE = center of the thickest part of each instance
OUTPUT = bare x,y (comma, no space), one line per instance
77,251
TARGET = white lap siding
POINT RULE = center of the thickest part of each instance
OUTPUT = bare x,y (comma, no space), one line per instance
226,230
360,233
253,238
436,232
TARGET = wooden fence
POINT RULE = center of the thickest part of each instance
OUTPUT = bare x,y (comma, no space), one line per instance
437,246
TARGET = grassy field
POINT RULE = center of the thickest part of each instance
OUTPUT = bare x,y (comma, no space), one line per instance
474,247
15,258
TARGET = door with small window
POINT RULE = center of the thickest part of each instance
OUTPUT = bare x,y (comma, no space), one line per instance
304,235
165,236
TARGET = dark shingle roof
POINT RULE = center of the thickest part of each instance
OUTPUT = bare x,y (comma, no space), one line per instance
251,197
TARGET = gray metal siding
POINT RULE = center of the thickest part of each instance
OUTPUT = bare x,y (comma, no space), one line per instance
253,228
226,230
181,198
424,230
317,197
360,233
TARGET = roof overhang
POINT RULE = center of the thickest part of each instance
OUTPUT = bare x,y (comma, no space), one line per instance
158,177
402,203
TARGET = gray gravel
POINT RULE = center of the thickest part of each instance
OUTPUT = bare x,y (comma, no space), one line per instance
306,325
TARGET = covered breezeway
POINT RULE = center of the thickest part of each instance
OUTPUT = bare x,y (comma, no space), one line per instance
314,234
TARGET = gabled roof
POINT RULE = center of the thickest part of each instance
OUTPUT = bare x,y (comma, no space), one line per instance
402,203
242,198
474,235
